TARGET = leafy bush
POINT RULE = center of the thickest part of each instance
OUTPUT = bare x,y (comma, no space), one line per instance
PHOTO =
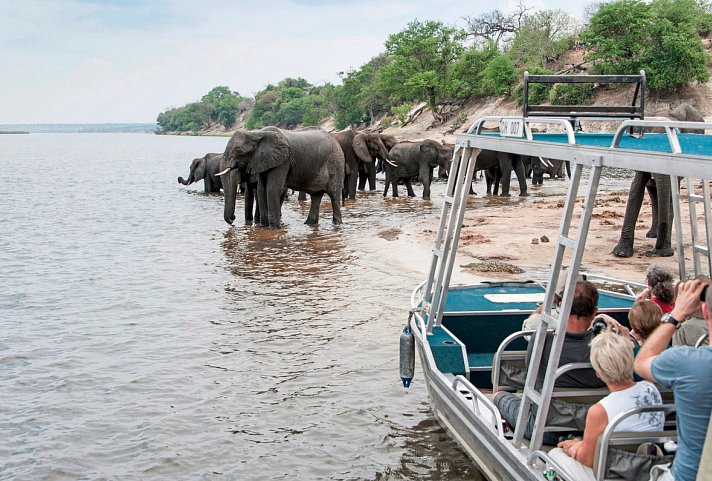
401,112
538,93
572,94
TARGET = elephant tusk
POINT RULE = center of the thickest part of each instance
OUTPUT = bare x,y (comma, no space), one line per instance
391,163
224,171
546,162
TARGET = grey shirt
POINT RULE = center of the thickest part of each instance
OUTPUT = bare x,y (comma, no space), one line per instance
576,349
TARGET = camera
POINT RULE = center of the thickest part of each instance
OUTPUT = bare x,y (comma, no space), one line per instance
703,294
598,325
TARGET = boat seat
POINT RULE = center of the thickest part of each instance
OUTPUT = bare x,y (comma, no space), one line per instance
616,452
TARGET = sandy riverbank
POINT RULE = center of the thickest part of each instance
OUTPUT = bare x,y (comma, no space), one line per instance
511,239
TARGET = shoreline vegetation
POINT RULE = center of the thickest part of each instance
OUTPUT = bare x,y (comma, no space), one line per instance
439,78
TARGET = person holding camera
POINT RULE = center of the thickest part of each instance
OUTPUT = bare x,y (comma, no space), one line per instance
687,370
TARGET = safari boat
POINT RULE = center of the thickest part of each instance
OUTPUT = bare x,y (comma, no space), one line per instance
463,334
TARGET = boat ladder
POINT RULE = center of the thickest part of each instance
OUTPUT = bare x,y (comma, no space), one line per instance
451,216
539,400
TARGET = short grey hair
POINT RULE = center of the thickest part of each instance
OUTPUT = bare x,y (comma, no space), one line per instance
612,357
661,283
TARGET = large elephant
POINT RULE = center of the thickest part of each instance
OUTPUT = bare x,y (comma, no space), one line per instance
660,193
416,159
308,160
205,167
506,162
361,149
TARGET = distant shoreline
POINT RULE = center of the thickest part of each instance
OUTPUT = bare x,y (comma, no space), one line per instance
14,132
103,128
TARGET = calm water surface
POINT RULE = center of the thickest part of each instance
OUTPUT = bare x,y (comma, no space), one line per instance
141,337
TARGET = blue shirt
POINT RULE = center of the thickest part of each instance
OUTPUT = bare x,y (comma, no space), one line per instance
687,370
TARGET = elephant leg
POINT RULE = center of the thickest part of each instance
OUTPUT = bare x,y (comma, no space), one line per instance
362,178
388,181
663,243
335,208
519,170
352,180
249,203
652,189
262,202
302,197
372,177
409,186
624,248
505,164
313,217
425,176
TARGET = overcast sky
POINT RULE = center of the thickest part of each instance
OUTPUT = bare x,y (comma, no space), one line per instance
86,61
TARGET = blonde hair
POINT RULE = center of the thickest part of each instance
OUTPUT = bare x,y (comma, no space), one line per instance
644,317
612,357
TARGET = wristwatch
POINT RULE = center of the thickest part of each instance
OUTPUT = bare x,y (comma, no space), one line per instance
668,319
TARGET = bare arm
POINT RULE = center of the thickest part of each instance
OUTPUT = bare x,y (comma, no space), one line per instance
687,302
583,450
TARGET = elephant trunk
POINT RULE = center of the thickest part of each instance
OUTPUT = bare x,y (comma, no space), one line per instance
230,182
190,180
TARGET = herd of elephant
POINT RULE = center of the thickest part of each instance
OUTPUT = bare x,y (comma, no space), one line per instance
265,163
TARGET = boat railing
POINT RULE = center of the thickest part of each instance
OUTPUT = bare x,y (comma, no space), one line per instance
671,127
544,458
498,356
478,125
606,438
479,398
628,286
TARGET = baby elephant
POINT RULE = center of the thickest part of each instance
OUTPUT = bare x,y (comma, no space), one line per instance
206,168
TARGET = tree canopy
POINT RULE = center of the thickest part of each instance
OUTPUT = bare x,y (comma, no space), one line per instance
438,64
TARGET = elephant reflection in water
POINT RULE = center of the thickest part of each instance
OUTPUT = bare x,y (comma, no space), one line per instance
660,193
269,255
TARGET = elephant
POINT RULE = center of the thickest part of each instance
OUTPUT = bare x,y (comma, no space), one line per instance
361,149
660,192
308,160
541,166
416,159
505,162
205,167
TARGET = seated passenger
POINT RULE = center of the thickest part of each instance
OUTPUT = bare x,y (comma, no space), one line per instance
687,371
612,360
575,349
644,318
661,288
693,328
534,319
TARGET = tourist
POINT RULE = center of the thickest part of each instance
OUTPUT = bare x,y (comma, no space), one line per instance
687,371
661,288
690,331
575,349
644,317
612,360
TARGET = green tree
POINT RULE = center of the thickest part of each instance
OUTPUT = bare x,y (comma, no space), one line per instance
543,36
661,37
421,61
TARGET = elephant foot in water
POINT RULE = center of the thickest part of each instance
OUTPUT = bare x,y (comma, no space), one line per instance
524,194
623,249
652,233
312,220
662,252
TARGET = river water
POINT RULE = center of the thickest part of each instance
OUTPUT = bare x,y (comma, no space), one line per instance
141,337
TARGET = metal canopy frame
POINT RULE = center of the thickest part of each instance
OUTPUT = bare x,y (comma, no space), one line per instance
636,109
675,164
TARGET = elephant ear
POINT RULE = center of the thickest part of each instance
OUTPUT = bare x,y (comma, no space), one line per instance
429,152
272,150
389,141
361,148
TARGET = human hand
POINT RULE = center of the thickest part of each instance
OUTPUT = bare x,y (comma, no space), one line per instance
688,299
614,325
644,294
570,446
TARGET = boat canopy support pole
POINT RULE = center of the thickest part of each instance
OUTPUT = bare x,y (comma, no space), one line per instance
451,216
535,398
698,248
